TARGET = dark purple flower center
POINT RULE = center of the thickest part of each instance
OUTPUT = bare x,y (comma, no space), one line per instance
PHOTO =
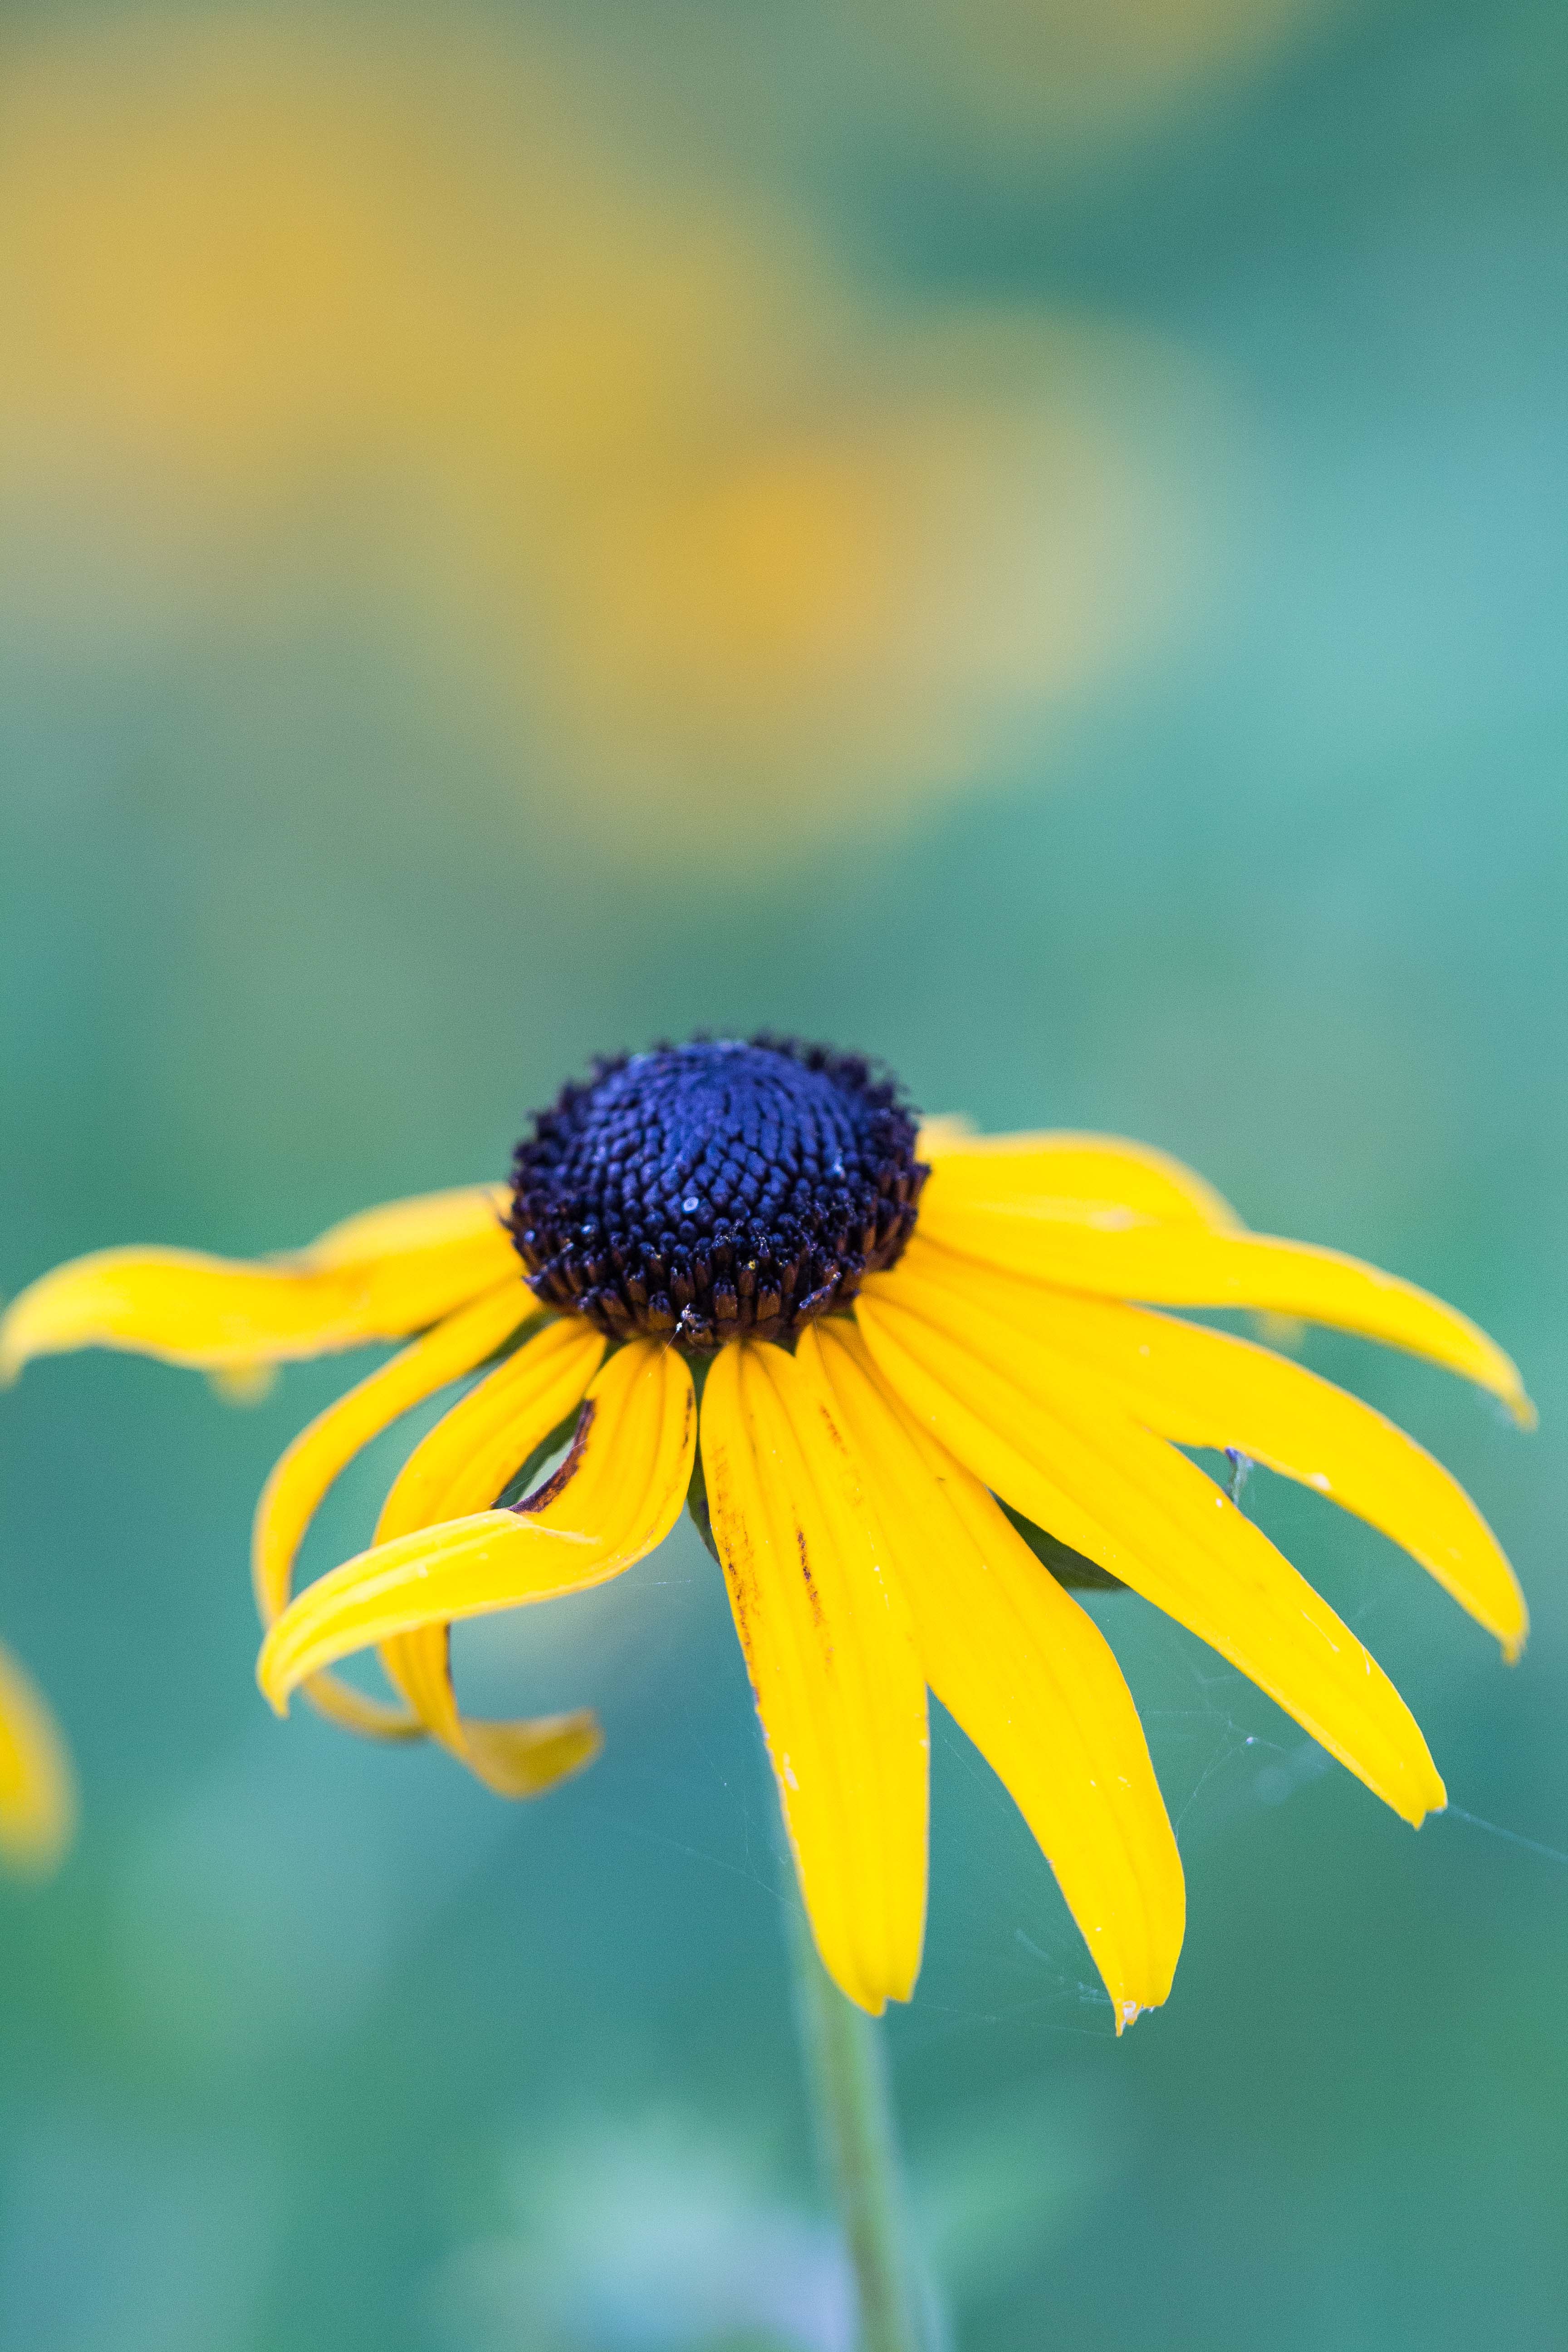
716,1191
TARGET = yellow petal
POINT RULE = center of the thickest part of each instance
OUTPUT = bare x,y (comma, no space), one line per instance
1106,1171
532,1755
1024,1672
1205,1388
307,1468
38,1791
458,1469
520,1758
943,1131
619,1495
1191,1264
243,1384
466,1459
467,1213
1054,1441
833,1669
216,1312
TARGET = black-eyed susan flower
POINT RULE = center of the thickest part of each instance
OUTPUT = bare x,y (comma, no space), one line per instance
38,1789
933,1368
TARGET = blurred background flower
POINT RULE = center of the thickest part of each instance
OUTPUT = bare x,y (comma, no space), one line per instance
1031,542
612,446
38,1800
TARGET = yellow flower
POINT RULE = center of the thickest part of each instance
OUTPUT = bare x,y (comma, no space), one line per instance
611,443
37,1794
922,1377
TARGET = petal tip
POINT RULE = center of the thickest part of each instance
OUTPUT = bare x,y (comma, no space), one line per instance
1434,1800
243,1384
273,1687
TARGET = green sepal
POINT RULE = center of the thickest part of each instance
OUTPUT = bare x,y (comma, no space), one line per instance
1068,1566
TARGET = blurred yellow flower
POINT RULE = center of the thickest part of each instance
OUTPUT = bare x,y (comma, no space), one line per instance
923,1383
38,1793
730,547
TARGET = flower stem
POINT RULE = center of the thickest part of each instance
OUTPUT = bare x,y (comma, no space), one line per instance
847,2076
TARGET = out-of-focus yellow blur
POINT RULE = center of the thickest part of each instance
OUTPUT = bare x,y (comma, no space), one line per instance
725,542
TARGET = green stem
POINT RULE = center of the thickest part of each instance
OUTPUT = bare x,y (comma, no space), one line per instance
847,2074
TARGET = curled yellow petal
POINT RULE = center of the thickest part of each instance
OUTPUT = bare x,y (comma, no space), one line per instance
830,1651
1024,1672
307,1468
462,1465
1105,1171
1205,1388
1055,1441
188,1307
520,1758
37,1788
533,1754
618,1496
464,1568
1191,1264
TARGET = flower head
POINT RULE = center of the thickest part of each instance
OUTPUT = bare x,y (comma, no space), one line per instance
716,1191
936,1389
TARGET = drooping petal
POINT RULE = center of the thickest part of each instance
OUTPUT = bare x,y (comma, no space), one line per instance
37,1788
1191,1264
619,1495
304,1472
1055,1441
307,1468
1204,1388
460,1469
1104,1171
520,1758
180,1305
463,1464
1024,1672
830,1652
533,1754
188,1307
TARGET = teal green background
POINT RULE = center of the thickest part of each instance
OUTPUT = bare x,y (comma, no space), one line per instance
312,2047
